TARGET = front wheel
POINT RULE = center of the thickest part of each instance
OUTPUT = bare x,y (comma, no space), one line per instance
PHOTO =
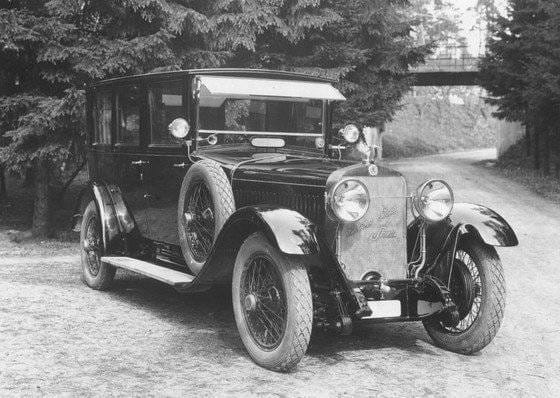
272,304
478,288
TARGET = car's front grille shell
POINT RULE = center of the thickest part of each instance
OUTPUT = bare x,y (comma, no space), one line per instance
377,242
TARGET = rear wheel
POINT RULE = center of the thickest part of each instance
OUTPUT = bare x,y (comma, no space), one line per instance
272,304
478,288
95,274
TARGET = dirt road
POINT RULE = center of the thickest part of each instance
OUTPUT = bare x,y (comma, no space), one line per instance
58,337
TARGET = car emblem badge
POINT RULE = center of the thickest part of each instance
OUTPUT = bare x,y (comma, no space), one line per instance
373,170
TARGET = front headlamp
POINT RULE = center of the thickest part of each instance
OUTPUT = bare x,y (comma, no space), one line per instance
434,200
350,200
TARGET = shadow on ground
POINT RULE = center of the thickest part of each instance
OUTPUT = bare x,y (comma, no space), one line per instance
212,309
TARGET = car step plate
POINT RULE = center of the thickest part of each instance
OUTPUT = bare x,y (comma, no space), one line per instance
384,309
162,274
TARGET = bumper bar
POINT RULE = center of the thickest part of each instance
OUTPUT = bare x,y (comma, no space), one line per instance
405,300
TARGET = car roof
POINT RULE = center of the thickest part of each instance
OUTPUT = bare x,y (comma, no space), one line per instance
233,72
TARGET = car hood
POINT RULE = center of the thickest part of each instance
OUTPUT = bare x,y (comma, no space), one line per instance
246,164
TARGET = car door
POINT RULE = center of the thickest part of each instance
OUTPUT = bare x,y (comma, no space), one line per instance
130,159
100,155
167,101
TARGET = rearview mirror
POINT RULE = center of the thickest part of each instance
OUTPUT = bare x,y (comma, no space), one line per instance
179,128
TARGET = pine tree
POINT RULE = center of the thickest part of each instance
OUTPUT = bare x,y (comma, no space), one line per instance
521,71
50,50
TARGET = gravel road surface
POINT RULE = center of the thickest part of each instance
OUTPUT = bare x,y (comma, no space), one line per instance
57,337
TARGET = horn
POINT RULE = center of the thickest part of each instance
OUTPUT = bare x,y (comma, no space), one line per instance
371,135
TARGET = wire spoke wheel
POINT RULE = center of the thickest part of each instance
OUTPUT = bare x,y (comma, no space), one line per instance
95,273
466,288
264,302
477,286
92,245
199,210
272,304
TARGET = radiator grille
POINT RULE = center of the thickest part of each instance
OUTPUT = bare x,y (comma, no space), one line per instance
377,242
311,206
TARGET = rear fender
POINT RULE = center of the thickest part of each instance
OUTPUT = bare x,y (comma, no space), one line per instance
466,218
116,220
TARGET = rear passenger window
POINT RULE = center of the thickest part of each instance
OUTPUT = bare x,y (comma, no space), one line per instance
128,113
166,104
102,116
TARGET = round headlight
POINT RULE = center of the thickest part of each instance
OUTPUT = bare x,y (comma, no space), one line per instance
351,133
434,200
350,200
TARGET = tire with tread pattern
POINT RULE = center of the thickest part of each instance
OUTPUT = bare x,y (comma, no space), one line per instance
103,279
486,324
299,314
211,174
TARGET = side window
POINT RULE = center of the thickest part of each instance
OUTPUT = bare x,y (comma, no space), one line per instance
128,114
166,104
102,117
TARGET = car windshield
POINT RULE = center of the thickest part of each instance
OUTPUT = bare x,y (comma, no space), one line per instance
238,109
238,120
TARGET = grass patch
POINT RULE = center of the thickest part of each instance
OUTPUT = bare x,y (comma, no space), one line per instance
517,166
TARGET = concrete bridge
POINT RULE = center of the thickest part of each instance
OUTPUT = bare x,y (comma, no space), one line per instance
448,66
454,66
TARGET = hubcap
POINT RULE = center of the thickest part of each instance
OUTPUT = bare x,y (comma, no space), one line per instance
187,218
250,302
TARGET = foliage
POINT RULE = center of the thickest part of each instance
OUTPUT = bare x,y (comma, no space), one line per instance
50,50
522,68
513,164
437,21
439,119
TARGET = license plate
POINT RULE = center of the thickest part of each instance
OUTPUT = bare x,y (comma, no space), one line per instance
384,309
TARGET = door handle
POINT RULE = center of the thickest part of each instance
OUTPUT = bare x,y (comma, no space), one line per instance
140,162
180,165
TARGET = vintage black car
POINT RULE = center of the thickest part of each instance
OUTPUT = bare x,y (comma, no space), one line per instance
213,177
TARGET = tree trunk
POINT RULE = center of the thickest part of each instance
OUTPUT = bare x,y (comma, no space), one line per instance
536,149
2,184
528,139
546,151
556,139
41,206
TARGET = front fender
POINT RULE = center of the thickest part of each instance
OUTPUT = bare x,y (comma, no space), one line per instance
483,222
288,230
466,218
292,233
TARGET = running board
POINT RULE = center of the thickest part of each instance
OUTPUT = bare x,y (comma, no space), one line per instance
166,275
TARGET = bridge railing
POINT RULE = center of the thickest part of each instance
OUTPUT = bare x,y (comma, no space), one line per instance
449,59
